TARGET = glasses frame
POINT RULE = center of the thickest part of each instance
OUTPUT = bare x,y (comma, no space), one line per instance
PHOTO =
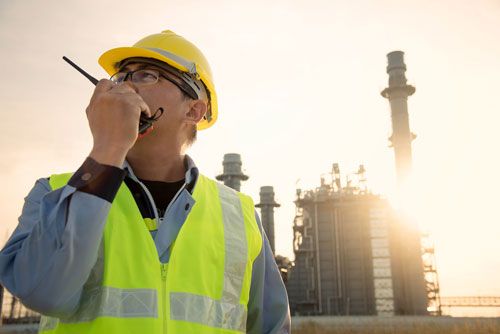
184,88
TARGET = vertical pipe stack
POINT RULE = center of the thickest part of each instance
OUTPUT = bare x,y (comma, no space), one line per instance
410,296
397,93
267,205
232,174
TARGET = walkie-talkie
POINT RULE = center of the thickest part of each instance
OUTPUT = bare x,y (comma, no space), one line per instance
145,123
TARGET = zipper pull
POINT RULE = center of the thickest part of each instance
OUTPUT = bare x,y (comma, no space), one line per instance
163,272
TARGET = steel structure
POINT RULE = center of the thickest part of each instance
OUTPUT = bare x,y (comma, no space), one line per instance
353,254
431,276
471,301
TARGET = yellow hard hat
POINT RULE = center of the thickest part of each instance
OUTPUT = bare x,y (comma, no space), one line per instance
176,51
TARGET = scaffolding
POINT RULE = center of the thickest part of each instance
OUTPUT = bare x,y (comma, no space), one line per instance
431,275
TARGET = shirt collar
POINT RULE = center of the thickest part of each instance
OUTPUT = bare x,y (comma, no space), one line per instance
191,176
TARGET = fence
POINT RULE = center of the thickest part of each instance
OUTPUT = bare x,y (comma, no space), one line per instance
14,312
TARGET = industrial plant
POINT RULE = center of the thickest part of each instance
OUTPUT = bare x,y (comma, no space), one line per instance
355,255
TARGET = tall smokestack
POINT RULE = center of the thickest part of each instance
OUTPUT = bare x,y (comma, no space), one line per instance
232,174
397,93
267,205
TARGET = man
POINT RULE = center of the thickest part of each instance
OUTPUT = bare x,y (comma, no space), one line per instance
137,240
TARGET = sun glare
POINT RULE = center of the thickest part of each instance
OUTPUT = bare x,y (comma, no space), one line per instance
407,200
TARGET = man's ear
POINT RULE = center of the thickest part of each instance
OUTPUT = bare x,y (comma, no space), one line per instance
197,109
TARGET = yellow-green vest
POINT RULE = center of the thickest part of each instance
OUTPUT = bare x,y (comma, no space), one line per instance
203,289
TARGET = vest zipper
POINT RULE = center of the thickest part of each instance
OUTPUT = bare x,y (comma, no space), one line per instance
163,266
163,295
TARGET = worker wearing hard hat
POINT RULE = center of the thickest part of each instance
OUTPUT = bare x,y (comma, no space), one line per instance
137,240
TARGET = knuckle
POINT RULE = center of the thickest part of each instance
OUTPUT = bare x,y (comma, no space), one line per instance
103,83
124,87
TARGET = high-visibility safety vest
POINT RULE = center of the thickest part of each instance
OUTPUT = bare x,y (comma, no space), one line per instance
205,286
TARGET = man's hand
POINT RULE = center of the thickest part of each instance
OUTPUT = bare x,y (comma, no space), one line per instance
113,113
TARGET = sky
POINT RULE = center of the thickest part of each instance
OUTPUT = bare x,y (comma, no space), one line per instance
299,88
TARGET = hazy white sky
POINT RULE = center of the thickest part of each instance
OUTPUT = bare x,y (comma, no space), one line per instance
298,85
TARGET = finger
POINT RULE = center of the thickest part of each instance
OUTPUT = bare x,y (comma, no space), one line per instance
104,85
144,108
137,100
125,88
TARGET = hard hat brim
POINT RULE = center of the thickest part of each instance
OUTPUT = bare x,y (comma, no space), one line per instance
110,60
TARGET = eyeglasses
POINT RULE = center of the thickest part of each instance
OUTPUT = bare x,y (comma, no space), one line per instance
141,77
150,77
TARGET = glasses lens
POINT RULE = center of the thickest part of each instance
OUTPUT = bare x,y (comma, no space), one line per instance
118,77
145,76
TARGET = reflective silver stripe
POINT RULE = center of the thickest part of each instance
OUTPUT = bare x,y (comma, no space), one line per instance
119,303
110,302
235,242
47,323
191,67
104,301
192,77
204,310
227,312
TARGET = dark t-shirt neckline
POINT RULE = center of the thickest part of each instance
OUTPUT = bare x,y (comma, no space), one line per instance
162,192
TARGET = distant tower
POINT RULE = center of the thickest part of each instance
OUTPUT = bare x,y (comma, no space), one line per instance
397,93
267,205
232,174
406,244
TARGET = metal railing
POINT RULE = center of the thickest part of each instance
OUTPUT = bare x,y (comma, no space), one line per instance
14,312
471,301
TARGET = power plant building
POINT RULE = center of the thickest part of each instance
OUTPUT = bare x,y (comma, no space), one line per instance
353,255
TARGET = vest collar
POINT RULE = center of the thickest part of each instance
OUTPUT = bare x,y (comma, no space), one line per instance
191,176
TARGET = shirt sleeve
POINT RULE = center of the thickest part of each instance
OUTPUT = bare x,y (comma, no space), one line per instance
50,254
98,179
268,308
